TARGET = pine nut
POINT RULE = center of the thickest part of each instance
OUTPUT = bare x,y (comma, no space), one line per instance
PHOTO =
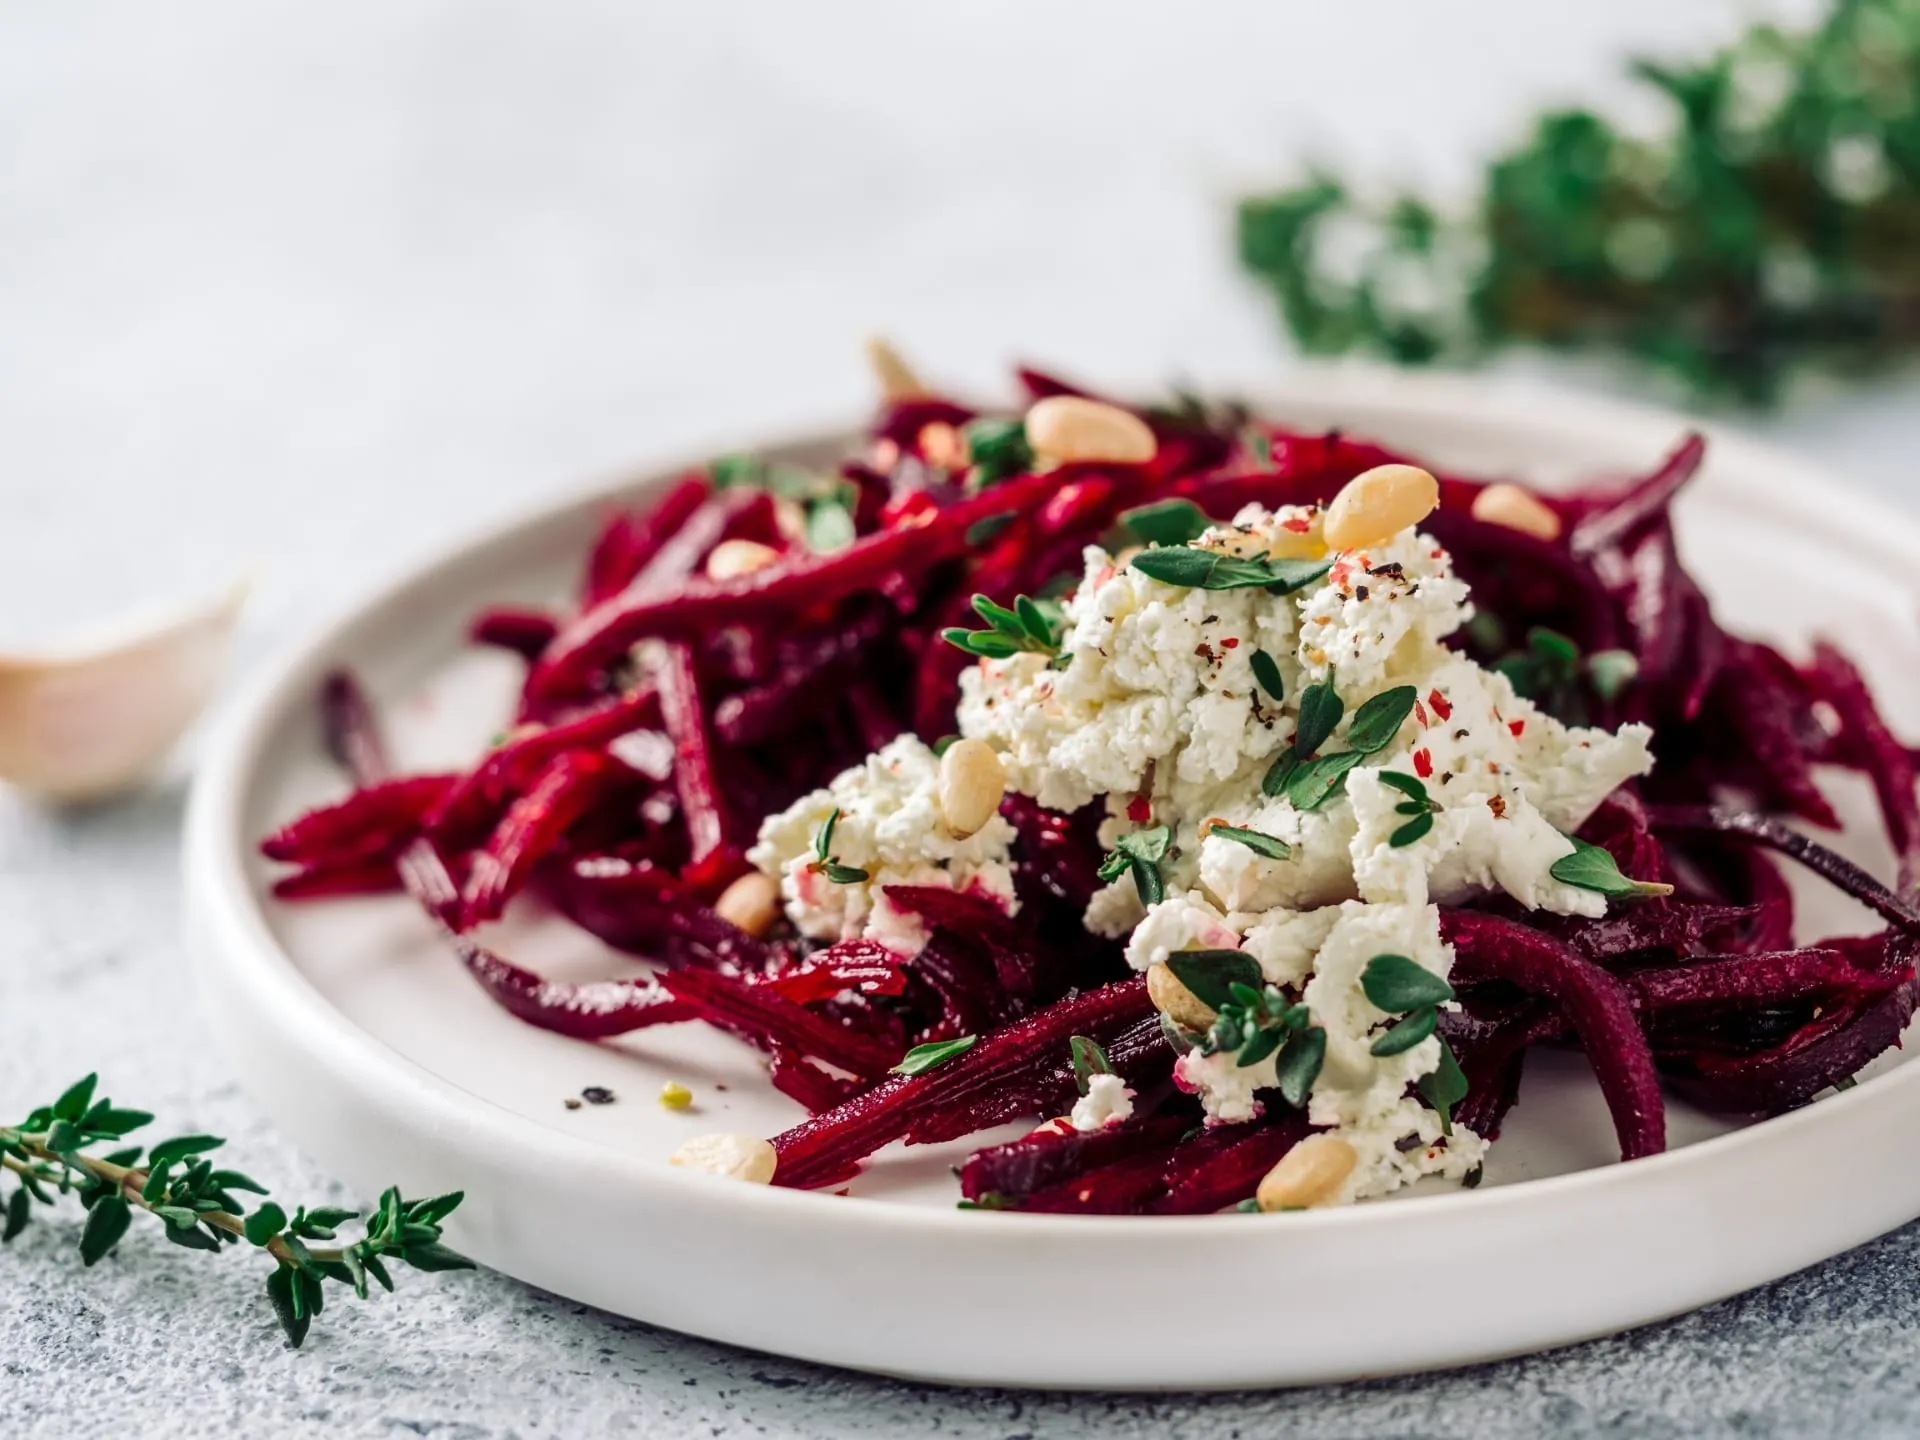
1069,427
891,372
751,903
972,782
1311,1173
1517,509
942,446
1176,1001
1378,504
731,559
729,1154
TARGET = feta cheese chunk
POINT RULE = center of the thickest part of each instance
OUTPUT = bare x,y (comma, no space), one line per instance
1108,1101
889,825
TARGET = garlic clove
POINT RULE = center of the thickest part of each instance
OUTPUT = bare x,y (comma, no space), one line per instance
101,713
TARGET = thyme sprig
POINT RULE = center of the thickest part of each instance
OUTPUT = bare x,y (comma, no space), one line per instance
824,862
1139,853
49,1156
1763,230
1034,626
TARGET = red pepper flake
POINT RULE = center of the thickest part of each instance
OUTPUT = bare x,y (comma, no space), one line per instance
1342,573
1420,714
1518,727
1498,805
1439,555
1232,642
1139,810
1439,704
1422,763
1299,525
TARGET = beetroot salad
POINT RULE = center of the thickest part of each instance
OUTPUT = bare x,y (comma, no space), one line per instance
1240,806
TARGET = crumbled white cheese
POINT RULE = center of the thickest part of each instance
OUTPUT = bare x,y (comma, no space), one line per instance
889,826
1108,1101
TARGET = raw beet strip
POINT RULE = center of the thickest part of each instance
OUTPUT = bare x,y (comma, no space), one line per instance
1613,519
373,876
1874,749
1765,830
586,1012
757,1013
596,1010
1048,1157
1226,1165
613,626
703,809
644,910
863,965
1123,1187
806,674
532,826
1489,948
1822,1053
1005,1067
522,631
798,1078
631,539
473,802
1677,926
1756,980
372,820
1762,699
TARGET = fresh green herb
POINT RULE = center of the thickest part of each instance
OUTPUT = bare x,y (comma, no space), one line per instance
922,1058
823,861
1299,1064
1313,782
1166,522
790,482
1611,671
981,532
1395,984
1212,974
199,1205
1248,1206
1591,868
1034,626
1377,721
1253,1023
1088,1060
944,744
1845,1082
1179,1040
1408,1033
1471,1180
1270,846
1445,1088
1320,712
998,450
989,1200
1736,240
1417,804
1198,569
1259,447
1268,674
1140,854
1551,672
1274,783
830,525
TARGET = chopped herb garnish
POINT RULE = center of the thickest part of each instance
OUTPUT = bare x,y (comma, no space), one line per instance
1417,804
1254,1018
1445,1088
823,861
1379,720
1611,671
1198,569
1140,854
1212,974
1270,846
1034,626
1313,782
1088,1060
922,1058
982,531
1267,672
829,526
988,1200
1591,868
1166,522
790,482
1412,832
1320,711
998,449
1248,1206
1299,1064
1471,1180
1396,984
945,743
1408,1033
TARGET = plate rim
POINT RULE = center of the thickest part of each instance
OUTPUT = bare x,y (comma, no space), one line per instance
233,943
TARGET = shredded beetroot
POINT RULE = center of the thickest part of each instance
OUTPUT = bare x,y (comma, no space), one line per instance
669,712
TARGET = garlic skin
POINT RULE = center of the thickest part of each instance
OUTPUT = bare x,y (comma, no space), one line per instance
101,714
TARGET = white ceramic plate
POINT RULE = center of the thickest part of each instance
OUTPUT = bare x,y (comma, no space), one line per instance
371,1047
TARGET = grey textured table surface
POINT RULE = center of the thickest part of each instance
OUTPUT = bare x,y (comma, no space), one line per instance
303,286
